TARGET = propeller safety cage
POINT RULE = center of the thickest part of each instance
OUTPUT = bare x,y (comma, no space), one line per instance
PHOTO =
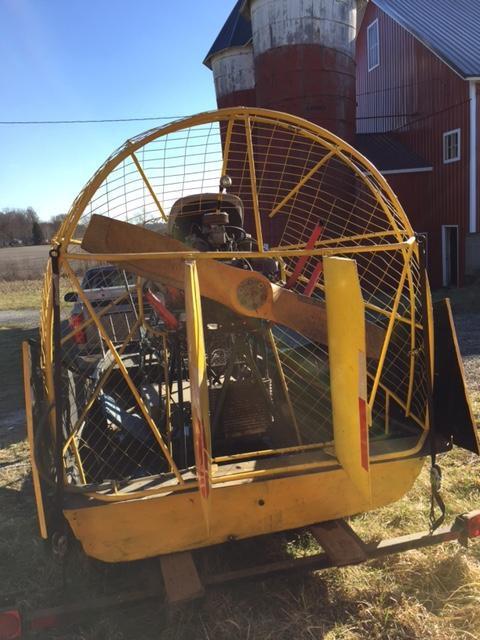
243,343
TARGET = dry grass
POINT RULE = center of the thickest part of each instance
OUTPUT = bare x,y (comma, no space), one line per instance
423,594
23,263
20,294
16,295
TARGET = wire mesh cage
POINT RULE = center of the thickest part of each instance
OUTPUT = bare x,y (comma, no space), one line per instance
265,194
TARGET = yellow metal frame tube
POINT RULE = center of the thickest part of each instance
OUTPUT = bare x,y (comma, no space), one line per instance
388,335
88,322
324,243
98,389
284,383
224,255
27,372
253,182
272,452
226,148
125,374
300,184
168,410
368,305
148,185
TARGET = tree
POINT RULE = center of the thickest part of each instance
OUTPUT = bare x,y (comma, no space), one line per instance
37,233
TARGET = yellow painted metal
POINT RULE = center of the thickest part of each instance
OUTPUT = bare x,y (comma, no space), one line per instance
97,391
390,327
271,452
168,398
220,282
125,374
37,489
301,183
282,120
89,321
348,370
283,380
226,147
225,255
198,387
334,241
128,522
253,182
370,306
148,185
152,526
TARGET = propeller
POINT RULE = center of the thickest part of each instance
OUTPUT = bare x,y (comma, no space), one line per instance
247,293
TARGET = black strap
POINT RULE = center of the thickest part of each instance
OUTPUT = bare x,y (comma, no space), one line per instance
436,499
57,384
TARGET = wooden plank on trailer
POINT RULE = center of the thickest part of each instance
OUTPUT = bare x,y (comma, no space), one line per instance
340,542
29,399
181,578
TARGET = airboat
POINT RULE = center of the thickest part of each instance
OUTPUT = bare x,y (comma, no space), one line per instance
269,359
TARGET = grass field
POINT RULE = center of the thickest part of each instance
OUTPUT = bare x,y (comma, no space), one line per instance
16,295
20,294
23,263
424,594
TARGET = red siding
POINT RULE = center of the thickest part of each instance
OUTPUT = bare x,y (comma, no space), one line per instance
417,97
310,81
245,98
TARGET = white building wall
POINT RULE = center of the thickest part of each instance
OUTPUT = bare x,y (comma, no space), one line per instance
329,23
233,70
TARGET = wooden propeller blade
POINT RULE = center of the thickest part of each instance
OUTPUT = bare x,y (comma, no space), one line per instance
248,293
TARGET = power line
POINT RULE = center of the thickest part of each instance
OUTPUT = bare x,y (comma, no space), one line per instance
102,121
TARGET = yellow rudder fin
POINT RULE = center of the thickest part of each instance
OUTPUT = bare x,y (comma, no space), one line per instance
348,369
198,386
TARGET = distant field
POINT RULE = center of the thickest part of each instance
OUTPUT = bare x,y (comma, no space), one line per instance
23,263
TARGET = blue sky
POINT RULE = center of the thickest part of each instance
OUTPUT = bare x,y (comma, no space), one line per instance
92,59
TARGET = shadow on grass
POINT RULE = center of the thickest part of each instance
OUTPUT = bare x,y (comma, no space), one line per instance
11,383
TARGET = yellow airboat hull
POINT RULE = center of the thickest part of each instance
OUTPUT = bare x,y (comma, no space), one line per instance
151,526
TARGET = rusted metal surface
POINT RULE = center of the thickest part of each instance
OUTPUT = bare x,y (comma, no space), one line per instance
246,98
310,81
418,97
293,22
305,60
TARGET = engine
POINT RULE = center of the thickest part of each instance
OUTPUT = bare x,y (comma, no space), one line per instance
242,370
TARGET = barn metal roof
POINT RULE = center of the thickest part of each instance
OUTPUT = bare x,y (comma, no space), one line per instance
236,32
388,154
451,29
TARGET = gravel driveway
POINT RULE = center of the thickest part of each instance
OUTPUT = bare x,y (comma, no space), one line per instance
468,329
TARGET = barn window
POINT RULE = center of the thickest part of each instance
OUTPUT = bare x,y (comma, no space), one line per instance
451,146
373,46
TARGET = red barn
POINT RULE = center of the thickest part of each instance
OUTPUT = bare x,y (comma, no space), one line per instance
417,97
